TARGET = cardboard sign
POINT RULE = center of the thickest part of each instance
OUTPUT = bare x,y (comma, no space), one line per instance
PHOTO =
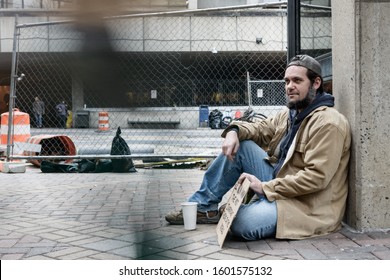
235,200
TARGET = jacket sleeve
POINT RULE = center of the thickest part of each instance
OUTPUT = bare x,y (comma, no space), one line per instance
261,132
312,165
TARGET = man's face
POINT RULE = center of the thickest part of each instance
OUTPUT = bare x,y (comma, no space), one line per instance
299,90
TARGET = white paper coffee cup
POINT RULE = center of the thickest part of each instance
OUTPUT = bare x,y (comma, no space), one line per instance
189,214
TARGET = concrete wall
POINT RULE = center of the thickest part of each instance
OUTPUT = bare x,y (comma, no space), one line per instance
6,33
161,34
361,84
202,4
179,34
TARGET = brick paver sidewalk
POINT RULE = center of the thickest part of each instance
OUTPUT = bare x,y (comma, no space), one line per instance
121,216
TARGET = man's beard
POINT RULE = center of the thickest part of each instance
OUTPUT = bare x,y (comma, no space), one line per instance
302,104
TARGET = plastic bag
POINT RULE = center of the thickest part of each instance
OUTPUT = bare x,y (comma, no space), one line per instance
120,147
51,167
226,122
215,119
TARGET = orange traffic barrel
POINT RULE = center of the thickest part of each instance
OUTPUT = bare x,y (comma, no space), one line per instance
103,121
51,145
20,127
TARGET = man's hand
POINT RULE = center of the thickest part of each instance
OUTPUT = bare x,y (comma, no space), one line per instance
255,183
230,145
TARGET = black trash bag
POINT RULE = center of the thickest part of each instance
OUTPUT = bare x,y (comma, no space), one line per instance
226,122
215,119
95,166
120,147
104,165
51,167
86,166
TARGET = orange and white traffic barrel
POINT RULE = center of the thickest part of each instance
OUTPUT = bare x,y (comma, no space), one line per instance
21,127
103,121
50,145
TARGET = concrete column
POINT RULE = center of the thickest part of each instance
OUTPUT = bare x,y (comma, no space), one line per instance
361,85
77,96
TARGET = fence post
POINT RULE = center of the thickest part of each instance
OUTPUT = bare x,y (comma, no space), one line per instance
12,93
293,28
248,80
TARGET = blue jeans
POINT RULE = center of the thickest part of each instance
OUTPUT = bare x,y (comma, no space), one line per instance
255,220
38,120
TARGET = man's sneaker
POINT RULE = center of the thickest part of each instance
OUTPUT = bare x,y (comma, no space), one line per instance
209,217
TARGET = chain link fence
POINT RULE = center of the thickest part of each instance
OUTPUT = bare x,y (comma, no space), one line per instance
266,93
156,76
316,20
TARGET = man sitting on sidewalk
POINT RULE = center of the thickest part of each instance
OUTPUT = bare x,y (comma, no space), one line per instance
296,162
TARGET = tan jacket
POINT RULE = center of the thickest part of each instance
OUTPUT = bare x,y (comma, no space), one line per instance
311,187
